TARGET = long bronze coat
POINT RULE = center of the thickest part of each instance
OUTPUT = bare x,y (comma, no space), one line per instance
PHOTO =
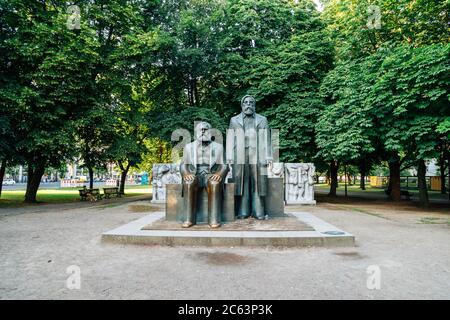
216,163
261,150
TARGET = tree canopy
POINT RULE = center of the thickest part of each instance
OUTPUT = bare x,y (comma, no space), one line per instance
361,83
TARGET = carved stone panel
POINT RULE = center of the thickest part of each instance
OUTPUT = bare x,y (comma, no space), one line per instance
299,183
163,174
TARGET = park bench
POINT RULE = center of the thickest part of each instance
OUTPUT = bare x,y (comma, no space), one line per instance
83,194
404,193
90,194
108,192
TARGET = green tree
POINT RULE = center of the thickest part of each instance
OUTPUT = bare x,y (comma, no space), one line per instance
393,101
50,64
381,70
62,75
417,23
345,129
157,151
207,55
411,96
98,131
278,52
95,135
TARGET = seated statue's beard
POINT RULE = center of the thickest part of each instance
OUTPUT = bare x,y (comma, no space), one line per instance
205,138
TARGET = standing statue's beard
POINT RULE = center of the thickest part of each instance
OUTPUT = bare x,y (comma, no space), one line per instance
249,111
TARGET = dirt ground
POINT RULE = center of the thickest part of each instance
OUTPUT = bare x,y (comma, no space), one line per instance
410,247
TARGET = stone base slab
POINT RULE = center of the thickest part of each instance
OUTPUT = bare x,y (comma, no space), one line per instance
323,235
304,202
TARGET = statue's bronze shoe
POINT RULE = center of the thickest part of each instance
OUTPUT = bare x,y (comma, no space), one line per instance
214,225
187,224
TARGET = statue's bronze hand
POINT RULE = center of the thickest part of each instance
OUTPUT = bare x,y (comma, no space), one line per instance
215,177
189,178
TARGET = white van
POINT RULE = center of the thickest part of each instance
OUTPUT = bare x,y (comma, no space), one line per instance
8,182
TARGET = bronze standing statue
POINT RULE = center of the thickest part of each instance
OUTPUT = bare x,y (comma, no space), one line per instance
249,150
203,167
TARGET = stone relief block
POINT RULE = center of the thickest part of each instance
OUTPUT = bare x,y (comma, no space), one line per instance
163,174
299,183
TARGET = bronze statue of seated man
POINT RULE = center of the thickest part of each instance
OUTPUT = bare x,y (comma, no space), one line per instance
203,167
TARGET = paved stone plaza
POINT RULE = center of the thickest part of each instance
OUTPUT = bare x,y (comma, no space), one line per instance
38,244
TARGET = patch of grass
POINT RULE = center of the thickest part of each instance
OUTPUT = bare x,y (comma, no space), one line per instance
9,204
142,208
47,196
369,213
108,205
361,211
222,258
354,187
137,190
15,198
351,255
433,220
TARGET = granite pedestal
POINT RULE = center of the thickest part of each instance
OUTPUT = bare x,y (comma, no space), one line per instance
175,204
305,231
274,202
298,229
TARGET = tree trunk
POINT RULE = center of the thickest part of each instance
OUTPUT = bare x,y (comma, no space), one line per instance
123,177
422,183
161,150
34,181
442,169
191,91
362,183
346,179
362,171
448,166
190,94
29,174
91,177
334,166
2,175
394,179
196,98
